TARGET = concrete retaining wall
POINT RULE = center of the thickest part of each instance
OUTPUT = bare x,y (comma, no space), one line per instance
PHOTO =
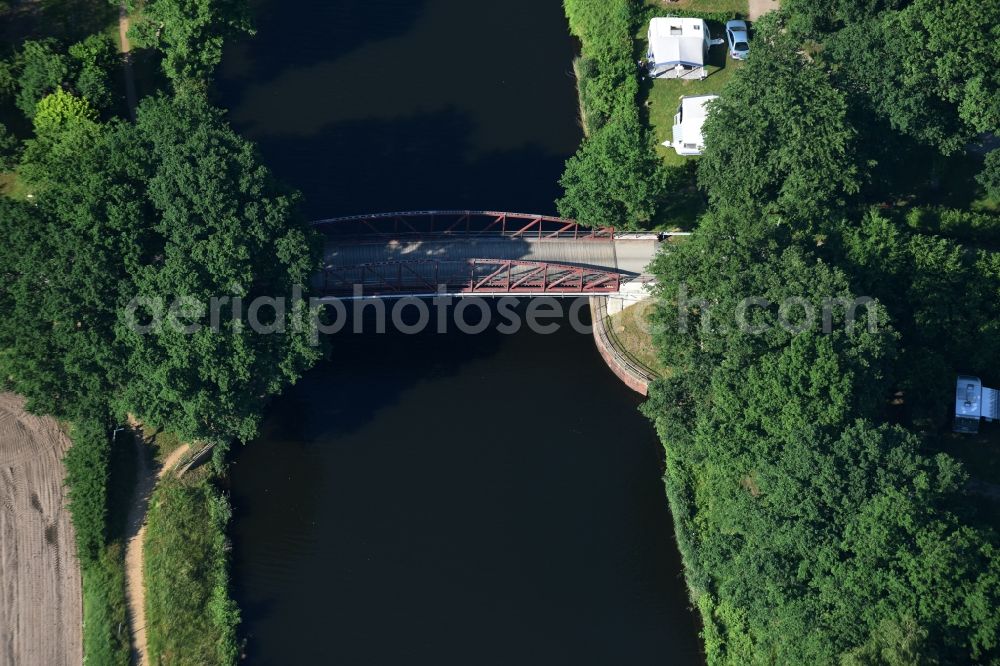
635,377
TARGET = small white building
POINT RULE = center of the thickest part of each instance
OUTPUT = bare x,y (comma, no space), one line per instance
973,402
678,48
687,138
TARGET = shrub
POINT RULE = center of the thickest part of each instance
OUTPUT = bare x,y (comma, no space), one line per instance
989,177
97,472
87,471
607,78
106,629
958,224
190,618
42,70
615,179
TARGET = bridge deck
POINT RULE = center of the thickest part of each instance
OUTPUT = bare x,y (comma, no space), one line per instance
625,256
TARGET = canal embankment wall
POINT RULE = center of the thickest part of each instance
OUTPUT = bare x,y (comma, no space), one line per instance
632,373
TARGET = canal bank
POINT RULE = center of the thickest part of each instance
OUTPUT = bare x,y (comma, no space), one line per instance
453,498
632,372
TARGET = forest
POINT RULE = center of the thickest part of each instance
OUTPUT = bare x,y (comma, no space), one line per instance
825,513
110,212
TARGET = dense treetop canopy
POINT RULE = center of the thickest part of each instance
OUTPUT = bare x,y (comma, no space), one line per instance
190,33
818,521
175,206
927,66
615,179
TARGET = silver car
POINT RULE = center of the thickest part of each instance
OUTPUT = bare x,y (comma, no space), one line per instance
738,39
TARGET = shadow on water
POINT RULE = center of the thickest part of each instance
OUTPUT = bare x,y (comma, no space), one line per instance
367,370
401,105
420,500
68,21
375,166
321,29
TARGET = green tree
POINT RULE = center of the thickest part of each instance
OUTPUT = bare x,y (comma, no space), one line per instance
941,296
62,259
220,227
616,178
60,112
814,18
63,124
904,95
780,139
810,531
805,531
965,68
191,34
42,69
989,177
919,68
96,58
175,206
10,149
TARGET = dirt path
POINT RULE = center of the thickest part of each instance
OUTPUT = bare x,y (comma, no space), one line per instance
761,7
135,591
130,94
41,603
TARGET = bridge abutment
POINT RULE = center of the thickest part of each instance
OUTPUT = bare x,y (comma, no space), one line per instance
621,362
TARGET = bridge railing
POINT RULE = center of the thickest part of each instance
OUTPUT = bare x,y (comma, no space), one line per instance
468,276
442,223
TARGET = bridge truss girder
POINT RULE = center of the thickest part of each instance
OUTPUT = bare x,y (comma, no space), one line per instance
466,276
464,223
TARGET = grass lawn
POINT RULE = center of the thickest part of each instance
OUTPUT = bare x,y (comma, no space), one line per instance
12,186
986,205
737,6
631,329
189,619
105,627
164,443
662,97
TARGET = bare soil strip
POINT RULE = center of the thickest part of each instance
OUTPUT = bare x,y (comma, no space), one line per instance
135,590
41,603
760,7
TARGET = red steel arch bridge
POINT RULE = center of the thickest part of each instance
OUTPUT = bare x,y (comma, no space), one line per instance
462,252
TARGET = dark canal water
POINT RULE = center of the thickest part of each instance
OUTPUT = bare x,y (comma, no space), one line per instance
442,499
